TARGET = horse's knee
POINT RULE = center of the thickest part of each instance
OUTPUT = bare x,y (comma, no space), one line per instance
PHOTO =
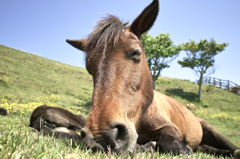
170,140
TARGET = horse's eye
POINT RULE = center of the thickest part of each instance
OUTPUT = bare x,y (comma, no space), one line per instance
136,54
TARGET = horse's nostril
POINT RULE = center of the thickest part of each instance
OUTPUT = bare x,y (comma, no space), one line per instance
118,137
122,133
111,137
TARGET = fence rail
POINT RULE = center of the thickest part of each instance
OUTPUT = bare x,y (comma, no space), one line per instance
224,84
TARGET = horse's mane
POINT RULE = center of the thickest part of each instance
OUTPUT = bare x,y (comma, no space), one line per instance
107,32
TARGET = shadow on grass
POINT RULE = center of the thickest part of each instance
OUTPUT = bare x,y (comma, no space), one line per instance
86,106
192,97
3,83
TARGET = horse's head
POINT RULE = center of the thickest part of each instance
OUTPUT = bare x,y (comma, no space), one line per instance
122,80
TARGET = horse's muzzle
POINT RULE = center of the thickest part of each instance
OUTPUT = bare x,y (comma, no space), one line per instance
114,139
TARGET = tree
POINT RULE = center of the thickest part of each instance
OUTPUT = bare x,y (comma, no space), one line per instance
200,58
159,51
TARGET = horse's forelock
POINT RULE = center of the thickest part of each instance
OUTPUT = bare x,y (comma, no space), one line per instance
107,32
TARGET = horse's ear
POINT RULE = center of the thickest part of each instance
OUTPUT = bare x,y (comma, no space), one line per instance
146,19
79,44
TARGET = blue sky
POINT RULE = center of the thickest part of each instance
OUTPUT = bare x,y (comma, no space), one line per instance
42,27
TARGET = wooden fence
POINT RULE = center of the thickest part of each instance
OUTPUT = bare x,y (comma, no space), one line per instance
224,84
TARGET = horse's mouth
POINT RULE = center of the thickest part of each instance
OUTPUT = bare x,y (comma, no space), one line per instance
118,138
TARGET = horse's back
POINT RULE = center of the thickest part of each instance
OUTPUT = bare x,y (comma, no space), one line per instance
181,117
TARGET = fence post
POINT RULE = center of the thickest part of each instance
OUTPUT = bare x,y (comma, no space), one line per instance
214,83
228,86
209,80
220,83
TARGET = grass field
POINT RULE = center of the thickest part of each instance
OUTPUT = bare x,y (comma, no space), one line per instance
28,80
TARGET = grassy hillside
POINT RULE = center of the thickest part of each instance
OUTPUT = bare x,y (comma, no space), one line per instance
28,80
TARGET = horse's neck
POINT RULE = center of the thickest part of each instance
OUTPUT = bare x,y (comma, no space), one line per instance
161,103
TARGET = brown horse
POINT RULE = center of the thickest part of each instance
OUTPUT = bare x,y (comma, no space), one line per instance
64,124
125,109
58,121
3,112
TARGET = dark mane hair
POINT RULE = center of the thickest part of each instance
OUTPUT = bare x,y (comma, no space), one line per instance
106,32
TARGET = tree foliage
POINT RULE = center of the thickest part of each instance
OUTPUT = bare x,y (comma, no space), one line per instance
200,57
160,51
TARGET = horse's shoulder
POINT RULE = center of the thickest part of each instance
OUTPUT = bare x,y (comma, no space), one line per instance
166,102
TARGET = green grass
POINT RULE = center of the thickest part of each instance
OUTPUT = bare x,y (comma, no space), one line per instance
26,77
28,80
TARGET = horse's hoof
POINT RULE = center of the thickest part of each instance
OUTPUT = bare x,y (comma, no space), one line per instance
190,151
236,154
153,144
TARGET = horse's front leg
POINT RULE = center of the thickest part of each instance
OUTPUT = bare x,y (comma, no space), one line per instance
50,129
170,140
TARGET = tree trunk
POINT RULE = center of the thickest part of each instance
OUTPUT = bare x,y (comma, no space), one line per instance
153,81
200,86
154,74
199,91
